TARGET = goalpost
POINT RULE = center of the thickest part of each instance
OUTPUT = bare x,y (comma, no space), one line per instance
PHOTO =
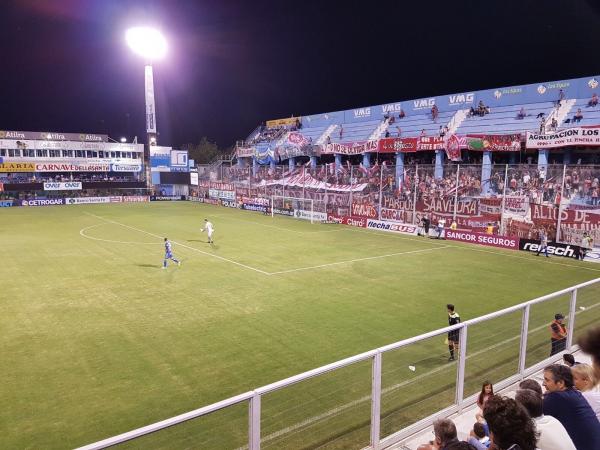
300,208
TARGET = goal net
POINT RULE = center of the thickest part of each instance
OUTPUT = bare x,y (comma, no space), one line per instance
300,208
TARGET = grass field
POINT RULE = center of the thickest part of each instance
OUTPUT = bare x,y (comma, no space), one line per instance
98,340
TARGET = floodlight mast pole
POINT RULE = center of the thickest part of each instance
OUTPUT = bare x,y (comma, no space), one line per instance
151,131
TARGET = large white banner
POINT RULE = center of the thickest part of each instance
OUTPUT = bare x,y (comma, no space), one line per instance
64,186
194,178
307,215
126,167
84,200
568,137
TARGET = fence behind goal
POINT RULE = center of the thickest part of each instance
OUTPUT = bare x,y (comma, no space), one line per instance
380,397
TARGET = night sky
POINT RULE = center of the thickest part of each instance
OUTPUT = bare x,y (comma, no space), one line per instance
232,64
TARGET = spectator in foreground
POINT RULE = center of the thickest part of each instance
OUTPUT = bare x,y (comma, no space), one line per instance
511,428
570,408
585,381
590,343
532,385
446,437
552,434
487,390
478,438
594,100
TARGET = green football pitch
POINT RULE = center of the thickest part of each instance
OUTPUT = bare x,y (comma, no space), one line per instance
98,340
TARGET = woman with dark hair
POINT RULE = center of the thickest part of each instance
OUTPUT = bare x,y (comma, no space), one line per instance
487,390
511,428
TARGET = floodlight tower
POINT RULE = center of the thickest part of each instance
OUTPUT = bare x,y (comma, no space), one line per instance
150,44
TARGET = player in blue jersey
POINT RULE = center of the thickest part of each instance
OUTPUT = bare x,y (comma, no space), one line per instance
169,254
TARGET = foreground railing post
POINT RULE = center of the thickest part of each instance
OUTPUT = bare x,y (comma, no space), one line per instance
462,358
524,333
254,423
376,401
572,306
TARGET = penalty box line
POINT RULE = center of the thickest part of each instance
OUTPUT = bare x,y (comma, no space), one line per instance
359,259
182,245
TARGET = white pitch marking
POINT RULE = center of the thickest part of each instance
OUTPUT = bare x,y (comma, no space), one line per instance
278,228
470,248
82,233
182,245
358,259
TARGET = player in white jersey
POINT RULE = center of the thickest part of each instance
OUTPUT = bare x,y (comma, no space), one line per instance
208,226
169,254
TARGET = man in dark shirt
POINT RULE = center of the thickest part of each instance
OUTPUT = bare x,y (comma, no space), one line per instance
570,408
426,222
453,336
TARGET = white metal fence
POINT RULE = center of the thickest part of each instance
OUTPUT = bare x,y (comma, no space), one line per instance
375,399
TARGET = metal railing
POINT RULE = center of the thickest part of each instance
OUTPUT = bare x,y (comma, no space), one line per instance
475,358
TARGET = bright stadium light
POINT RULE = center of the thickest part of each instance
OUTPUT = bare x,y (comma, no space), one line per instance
123,140
147,42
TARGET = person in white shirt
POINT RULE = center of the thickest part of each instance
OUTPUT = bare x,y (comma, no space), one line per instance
585,381
553,435
208,226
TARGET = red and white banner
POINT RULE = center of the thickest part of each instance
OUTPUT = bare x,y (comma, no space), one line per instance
393,145
568,137
364,210
360,222
483,239
355,148
308,182
430,143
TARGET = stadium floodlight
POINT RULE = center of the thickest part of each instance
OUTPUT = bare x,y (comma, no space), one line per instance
147,42
123,140
151,45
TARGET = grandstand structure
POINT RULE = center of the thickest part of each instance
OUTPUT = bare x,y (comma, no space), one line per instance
52,166
523,160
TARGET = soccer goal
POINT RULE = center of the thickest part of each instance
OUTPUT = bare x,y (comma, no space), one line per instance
300,208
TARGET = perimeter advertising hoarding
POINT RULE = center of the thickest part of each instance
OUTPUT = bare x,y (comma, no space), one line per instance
483,239
63,186
554,248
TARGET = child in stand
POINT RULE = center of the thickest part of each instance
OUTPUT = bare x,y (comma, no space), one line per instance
487,390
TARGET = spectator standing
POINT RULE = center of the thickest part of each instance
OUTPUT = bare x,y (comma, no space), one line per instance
553,124
570,408
593,101
578,116
454,335
561,97
341,132
487,390
434,113
558,334
522,113
553,435
543,243
510,426
587,244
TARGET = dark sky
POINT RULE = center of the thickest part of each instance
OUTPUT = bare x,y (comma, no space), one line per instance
234,63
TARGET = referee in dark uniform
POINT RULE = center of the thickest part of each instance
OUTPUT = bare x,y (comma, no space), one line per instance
453,336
